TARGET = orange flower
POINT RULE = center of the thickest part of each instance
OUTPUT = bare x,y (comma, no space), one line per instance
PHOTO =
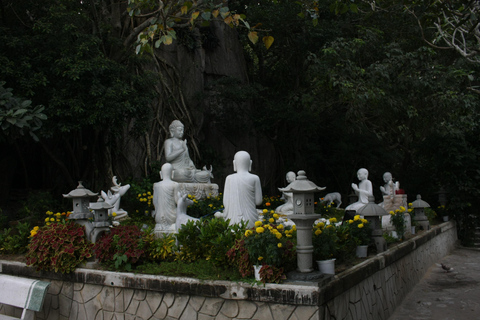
268,204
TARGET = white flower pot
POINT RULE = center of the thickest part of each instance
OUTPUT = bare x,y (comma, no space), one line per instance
394,234
413,230
361,251
326,266
256,270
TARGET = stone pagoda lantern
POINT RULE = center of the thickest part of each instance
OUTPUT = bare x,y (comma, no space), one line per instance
303,216
81,200
373,213
419,208
101,222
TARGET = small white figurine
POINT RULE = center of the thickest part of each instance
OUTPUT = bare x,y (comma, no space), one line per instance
242,192
363,190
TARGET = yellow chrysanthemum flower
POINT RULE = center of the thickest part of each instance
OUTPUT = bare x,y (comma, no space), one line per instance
357,217
360,225
248,232
275,216
364,221
402,209
265,211
392,213
294,228
350,221
258,223
280,227
278,235
260,230
114,214
320,225
279,245
318,232
332,220
52,219
271,220
260,258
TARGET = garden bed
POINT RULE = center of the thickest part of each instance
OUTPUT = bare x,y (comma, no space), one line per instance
371,288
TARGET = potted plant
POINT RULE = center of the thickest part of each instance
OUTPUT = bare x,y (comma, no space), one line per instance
361,233
269,246
397,218
443,212
325,246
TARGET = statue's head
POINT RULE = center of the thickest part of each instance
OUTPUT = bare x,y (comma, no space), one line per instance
242,162
176,129
362,174
166,171
291,176
387,176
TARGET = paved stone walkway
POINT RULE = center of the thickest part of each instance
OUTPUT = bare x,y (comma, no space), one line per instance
446,296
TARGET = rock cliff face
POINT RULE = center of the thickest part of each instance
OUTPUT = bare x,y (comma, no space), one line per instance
215,128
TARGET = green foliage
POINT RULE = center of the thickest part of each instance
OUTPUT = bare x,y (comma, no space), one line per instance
59,247
162,248
205,207
36,204
18,116
389,239
200,269
346,244
121,248
16,239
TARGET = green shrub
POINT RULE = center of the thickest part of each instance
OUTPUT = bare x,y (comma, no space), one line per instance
15,240
208,239
59,247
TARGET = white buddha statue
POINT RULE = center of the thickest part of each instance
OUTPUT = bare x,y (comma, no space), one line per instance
176,153
242,192
363,190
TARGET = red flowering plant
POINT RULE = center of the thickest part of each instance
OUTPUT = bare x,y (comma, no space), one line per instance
59,246
121,248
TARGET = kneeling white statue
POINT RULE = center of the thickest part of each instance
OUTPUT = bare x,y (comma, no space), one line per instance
364,189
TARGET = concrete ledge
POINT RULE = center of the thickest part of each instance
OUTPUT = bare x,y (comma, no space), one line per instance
375,286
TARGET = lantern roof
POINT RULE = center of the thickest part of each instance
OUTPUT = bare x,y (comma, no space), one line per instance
419,203
301,185
100,204
80,192
371,209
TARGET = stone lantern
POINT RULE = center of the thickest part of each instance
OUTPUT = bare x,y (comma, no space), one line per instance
101,223
419,208
81,200
303,215
372,212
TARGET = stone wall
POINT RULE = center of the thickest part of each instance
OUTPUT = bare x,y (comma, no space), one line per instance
370,290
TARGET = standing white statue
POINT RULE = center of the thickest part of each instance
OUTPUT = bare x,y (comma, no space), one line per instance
176,153
390,187
363,190
287,207
113,199
242,192
165,201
